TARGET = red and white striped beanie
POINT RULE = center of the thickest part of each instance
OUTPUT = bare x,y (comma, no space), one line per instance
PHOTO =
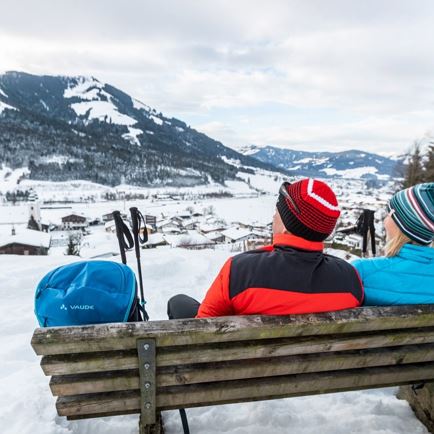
309,210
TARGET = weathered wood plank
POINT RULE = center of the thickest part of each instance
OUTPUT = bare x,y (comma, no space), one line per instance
421,401
105,337
248,390
291,346
167,356
68,385
289,365
65,364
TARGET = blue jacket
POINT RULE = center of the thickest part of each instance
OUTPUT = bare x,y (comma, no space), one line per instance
407,278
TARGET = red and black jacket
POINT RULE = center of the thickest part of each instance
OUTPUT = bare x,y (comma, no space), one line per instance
292,276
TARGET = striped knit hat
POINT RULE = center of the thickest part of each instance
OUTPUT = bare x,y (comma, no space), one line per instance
414,212
308,209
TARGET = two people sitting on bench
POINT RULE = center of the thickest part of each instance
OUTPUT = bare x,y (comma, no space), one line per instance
291,276
406,274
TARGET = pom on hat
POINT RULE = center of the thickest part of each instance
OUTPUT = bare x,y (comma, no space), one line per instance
308,209
414,212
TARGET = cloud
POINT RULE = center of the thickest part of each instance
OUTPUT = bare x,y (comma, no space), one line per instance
340,73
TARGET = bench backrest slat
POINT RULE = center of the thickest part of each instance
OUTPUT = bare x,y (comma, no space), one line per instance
121,336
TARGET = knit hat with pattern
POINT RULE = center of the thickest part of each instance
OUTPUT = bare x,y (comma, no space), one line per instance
308,209
414,212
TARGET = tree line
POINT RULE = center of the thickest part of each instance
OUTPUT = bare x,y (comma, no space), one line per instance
420,167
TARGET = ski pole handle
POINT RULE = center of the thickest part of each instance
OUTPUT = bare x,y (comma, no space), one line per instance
123,235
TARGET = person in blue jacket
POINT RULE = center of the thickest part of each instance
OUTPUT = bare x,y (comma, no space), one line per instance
406,274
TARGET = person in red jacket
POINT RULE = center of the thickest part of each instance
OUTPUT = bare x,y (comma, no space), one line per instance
291,276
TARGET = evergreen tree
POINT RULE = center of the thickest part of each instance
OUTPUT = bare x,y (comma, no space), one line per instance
414,173
74,245
33,224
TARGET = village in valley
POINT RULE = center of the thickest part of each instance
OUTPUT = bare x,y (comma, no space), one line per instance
85,227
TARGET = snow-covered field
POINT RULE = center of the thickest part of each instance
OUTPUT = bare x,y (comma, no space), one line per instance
28,407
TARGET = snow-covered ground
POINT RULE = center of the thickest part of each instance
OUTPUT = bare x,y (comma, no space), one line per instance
28,407
26,403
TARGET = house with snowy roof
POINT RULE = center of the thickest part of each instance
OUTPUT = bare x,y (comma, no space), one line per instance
236,235
156,239
206,228
25,242
215,236
74,222
170,228
189,240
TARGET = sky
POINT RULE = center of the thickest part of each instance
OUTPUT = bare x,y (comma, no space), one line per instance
302,74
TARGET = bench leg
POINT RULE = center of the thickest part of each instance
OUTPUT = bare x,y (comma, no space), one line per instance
156,428
421,400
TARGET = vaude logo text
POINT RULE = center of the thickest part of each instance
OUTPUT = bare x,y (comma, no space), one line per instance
78,307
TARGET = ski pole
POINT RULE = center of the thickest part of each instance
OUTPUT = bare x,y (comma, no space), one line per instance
123,235
137,219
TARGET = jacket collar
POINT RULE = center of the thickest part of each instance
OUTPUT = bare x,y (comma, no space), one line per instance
417,253
297,242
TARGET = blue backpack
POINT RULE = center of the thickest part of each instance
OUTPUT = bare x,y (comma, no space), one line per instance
88,292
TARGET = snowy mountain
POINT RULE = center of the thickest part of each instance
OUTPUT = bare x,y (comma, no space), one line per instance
351,164
68,128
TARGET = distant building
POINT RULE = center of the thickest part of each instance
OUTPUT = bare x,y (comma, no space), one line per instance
74,222
354,240
95,222
110,226
152,221
206,228
25,242
235,235
215,236
59,238
168,227
155,240
190,240
107,217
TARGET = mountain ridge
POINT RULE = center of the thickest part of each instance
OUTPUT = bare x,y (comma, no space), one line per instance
342,164
69,128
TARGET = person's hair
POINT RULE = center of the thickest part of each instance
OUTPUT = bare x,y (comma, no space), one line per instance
395,244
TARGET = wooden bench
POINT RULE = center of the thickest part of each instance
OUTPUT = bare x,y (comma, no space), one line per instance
113,369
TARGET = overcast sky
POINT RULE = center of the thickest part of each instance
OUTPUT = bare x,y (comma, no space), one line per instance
312,75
